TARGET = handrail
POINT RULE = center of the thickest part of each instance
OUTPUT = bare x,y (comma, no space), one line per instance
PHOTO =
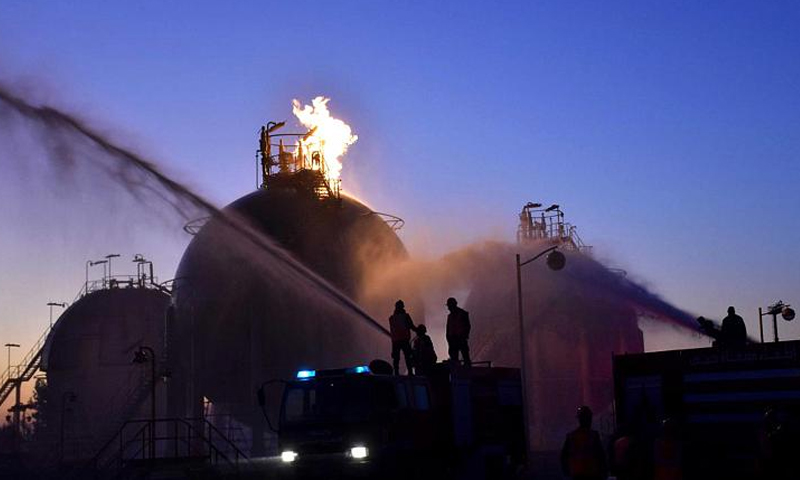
29,361
146,434
116,281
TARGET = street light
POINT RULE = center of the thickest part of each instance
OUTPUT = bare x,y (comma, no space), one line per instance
143,355
91,263
778,308
55,304
67,396
555,261
108,258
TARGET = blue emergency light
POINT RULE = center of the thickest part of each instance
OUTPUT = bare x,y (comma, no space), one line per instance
309,374
306,374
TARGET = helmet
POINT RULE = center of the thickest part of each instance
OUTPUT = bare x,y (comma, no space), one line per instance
584,414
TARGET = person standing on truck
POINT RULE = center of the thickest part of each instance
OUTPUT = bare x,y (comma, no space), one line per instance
400,327
582,456
733,332
457,332
424,354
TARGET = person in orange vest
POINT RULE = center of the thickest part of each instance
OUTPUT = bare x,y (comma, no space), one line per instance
457,332
582,456
668,453
400,327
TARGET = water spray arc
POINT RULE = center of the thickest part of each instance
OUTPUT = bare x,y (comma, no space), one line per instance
178,197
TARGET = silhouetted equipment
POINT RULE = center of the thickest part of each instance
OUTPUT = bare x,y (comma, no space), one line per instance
356,422
556,260
89,349
294,165
548,225
777,308
249,317
716,395
380,367
708,327
574,320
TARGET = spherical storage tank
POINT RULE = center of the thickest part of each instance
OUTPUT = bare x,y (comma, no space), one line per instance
242,316
93,386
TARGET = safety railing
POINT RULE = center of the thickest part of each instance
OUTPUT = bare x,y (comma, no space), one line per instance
166,439
25,369
116,281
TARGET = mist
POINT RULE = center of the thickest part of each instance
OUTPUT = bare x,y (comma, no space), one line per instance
107,192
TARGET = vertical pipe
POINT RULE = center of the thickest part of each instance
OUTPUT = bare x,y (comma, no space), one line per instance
152,404
522,358
17,410
775,325
761,324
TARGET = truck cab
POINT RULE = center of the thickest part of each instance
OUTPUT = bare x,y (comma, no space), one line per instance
357,423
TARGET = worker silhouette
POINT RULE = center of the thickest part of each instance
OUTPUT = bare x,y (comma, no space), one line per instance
668,453
424,354
582,456
400,327
733,332
457,332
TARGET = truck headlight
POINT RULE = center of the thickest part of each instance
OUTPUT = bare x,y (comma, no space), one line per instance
359,452
288,456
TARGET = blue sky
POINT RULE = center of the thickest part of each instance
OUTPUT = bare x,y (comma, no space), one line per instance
668,131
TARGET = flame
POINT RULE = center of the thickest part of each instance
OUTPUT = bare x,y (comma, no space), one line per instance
331,138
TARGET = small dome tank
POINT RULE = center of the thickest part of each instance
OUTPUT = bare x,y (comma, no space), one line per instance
88,359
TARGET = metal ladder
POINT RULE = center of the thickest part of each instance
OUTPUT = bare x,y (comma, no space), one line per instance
18,374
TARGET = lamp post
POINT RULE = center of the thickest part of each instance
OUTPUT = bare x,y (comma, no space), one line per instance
778,308
556,261
108,259
143,355
91,263
67,396
55,304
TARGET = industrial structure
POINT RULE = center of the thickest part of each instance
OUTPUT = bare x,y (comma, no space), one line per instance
241,316
539,224
86,382
572,325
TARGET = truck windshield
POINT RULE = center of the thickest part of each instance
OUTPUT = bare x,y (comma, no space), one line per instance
341,400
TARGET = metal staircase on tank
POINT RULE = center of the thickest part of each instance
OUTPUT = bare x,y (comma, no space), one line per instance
148,447
16,375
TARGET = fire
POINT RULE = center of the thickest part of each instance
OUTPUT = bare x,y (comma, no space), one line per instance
332,136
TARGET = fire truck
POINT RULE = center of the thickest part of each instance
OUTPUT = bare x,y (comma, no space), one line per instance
718,398
456,422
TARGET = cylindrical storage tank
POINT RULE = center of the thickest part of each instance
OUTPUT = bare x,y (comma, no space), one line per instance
574,321
93,385
244,316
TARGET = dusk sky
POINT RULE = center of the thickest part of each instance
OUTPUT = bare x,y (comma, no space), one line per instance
669,132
